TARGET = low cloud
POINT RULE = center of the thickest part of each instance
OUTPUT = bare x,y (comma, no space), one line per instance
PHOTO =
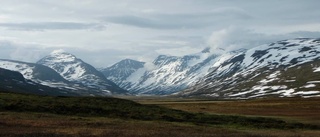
234,38
27,54
42,26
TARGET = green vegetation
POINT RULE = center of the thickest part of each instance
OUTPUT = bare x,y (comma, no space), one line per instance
125,109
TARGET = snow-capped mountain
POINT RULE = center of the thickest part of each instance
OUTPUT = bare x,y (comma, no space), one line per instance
13,81
165,75
43,75
76,70
120,71
34,72
285,68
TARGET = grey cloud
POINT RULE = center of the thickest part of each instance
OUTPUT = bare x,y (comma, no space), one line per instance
142,27
182,20
21,52
237,38
41,26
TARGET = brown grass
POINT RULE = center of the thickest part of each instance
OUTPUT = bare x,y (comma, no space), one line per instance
14,124
305,110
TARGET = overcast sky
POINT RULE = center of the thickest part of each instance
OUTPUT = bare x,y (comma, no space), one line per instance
103,32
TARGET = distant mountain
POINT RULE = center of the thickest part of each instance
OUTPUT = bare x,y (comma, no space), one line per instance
35,72
75,70
12,81
287,68
46,76
168,74
120,71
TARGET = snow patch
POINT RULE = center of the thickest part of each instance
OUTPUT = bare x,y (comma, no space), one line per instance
308,86
316,69
58,51
270,78
287,81
313,82
306,92
24,69
286,93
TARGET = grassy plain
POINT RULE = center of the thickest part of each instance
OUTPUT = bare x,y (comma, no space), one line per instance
30,116
305,110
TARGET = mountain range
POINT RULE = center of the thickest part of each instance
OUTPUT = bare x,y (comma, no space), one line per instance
63,71
286,68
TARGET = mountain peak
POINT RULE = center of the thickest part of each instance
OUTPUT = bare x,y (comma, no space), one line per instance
60,55
58,51
206,50
129,61
75,70
122,70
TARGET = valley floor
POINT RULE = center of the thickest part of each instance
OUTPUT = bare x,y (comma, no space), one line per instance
305,110
31,124
14,124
